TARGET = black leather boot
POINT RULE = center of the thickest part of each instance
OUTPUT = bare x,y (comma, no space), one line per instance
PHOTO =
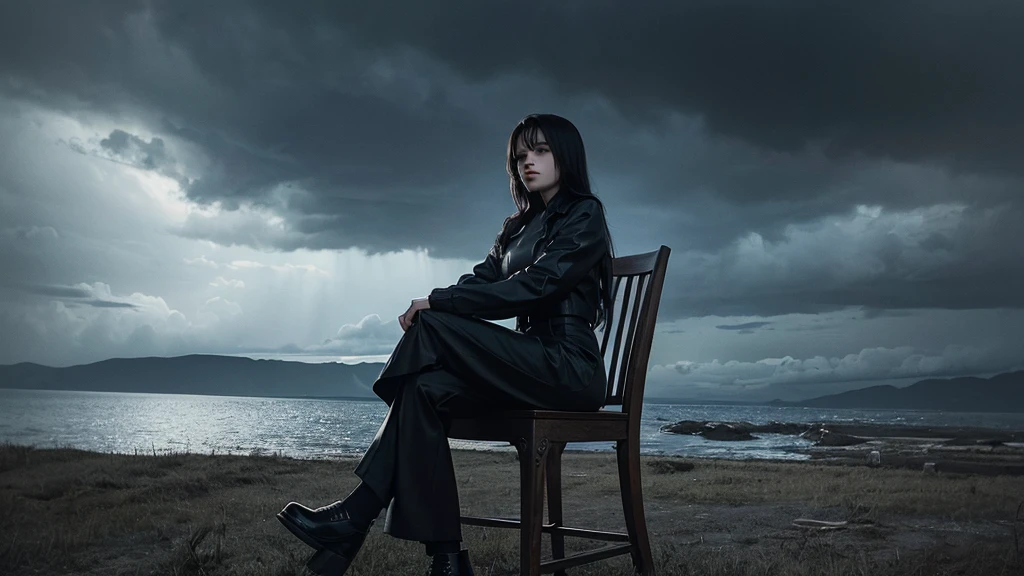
330,531
450,564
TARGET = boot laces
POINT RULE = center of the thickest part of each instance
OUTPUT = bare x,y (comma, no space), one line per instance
441,565
336,510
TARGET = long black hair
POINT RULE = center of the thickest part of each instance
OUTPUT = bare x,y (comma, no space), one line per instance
566,145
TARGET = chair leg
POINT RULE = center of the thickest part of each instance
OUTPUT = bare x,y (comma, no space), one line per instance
554,482
532,458
628,456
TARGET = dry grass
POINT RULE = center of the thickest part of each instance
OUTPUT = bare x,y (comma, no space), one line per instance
71,512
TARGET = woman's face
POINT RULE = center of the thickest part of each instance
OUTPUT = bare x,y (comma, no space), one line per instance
536,167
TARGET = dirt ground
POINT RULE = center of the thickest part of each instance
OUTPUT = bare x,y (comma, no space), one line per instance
71,512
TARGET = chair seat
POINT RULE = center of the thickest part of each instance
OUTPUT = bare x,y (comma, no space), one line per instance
555,425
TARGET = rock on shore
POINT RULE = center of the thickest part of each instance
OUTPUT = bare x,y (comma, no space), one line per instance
949,449
823,436
726,431
953,435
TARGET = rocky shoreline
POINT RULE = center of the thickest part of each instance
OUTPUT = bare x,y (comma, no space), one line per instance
950,449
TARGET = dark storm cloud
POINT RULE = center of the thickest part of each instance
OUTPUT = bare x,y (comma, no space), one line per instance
747,327
108,304
346,119
918,79
150,155
271,90
83,295
271,108
887,262
59,291
122,147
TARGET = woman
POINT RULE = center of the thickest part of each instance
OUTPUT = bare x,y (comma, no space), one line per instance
550,268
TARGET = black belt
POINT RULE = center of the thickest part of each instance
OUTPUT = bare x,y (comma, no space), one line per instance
527,321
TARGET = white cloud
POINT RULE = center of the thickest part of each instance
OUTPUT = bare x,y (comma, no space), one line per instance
200,261
118,223
871,256
221,282
217,310
846,248
100,324
284,268
240,264
370,336
248,224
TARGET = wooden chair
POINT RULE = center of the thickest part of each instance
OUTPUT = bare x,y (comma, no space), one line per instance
540,436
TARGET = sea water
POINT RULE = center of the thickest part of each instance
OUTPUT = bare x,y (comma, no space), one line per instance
325,428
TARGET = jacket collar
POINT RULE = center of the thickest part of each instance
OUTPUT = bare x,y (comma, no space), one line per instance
561,201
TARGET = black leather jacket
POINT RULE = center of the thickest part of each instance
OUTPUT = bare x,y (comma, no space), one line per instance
548,269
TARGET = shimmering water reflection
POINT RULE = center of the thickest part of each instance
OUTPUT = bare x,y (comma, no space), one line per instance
314,428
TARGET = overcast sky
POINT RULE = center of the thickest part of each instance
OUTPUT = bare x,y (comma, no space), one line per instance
841,184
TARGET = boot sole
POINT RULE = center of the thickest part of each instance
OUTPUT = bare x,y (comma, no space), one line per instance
327,563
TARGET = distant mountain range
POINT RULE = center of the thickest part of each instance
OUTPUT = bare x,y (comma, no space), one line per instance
237,376
200,374
1000,393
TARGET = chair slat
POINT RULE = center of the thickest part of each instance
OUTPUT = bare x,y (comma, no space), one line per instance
607,330
581,558
588,534
515,524
613,370
628,355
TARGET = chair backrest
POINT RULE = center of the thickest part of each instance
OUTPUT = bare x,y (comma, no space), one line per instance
629,336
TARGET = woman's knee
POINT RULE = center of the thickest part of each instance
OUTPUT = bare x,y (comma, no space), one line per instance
423,317
427,315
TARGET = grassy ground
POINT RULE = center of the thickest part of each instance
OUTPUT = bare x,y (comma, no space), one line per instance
71,512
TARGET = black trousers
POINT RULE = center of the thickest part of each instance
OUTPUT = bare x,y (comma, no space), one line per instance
448,366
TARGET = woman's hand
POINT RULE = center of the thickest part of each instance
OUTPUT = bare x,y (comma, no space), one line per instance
406,320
